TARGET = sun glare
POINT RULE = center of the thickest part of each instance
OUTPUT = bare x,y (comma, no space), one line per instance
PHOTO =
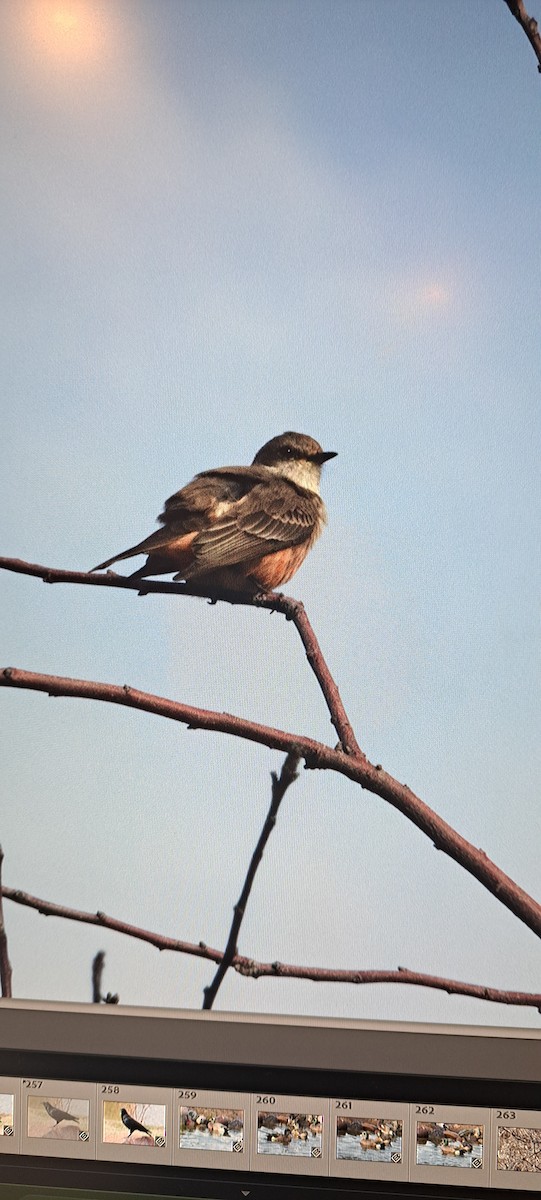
433,295
414,300
66,19
68,31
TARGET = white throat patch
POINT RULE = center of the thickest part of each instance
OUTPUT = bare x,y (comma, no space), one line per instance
301,471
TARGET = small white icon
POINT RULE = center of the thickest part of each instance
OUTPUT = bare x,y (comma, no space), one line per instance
83,1135
8,1130
477,1162
237,1149
316,1152
396,1157
160,1141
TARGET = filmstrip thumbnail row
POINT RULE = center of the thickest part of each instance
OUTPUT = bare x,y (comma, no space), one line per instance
281,1134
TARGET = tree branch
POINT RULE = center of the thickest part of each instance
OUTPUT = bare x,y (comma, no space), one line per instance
252,969
280,784
292,609
527,23
315,756
5,965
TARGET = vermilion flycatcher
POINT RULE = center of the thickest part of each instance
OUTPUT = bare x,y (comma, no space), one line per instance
241,528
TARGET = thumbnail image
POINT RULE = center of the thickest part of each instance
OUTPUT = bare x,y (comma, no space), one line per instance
7,1102
212,1129
59,1118
369,1139
289,1133
440,1144
133,1124
519,1149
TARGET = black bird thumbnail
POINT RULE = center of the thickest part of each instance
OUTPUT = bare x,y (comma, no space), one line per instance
132,1124
58,1114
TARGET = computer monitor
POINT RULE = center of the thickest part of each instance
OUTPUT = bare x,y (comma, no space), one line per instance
100,1100
229,223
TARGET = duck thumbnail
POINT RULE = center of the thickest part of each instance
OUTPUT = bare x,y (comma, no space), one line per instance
369,1139
441,1143
290,1133
211,1129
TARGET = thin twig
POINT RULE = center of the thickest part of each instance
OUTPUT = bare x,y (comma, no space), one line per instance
252,969
529,25
5,965
292,609
315,756
280,784
98,964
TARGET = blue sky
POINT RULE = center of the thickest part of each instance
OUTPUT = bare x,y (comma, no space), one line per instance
223,219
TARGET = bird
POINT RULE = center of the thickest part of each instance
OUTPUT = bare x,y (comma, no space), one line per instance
218,1128
284,1138
241,528
58,1114
371,1142
131,1124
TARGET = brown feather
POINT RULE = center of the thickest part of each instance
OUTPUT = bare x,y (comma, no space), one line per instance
275,569
273,516
243,526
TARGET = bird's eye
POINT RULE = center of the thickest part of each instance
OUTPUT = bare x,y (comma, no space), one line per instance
289,450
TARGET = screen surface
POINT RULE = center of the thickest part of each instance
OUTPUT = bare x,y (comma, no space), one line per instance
223,222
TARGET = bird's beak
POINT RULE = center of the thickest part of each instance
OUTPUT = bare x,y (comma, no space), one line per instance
323,456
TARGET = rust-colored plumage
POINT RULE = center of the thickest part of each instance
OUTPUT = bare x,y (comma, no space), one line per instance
241,528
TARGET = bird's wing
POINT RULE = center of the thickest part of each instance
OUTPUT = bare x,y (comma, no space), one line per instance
188,510
209,488
59,1114
272,516
185,512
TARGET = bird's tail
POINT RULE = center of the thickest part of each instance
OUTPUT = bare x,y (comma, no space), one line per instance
116,558
150,545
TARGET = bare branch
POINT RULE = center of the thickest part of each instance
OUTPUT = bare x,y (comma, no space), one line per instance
187,714
292,609
48,909
98,963
5,965
527,23
252,969
280,784
315,755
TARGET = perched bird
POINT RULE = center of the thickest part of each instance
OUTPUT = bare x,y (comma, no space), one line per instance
58,1114
241,528
131,1124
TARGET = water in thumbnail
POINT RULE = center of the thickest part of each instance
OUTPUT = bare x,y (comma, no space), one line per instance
441,1144
369,1139
212,1129
290,1133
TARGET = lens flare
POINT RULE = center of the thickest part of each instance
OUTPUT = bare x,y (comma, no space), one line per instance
65,31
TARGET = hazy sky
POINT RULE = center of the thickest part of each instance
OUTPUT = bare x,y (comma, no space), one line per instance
222,219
